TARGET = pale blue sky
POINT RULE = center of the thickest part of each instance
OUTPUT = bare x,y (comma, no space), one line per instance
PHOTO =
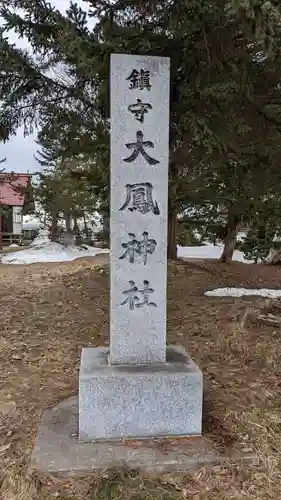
20,150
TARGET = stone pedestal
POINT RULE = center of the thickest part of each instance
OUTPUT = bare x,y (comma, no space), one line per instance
139,401
138,388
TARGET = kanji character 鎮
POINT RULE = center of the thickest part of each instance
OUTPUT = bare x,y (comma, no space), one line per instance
139,79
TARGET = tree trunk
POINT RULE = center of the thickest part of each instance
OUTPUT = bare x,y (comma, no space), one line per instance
75,226
172,234
54,226
85,226
68,237
231,237
67,218
76,231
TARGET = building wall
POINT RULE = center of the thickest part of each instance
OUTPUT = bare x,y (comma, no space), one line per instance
7,220
17,220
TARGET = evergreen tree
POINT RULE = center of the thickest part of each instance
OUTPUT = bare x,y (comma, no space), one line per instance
264,235
64,197
225,67
231,198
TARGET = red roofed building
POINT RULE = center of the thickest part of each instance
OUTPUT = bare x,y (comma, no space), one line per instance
15,201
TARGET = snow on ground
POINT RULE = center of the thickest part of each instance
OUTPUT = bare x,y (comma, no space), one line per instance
240,292
50,252
31,223
241,236
209,251
41,239
43,250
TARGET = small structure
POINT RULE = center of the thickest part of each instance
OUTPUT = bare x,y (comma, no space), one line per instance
16,200
138,387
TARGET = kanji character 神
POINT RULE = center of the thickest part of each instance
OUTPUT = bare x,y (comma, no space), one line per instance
139,79
139,109
143,247
138,148
139,197
133,300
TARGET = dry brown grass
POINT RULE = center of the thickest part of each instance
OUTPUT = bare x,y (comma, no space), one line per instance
49,312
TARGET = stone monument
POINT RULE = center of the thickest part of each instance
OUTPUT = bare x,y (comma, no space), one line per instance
138,388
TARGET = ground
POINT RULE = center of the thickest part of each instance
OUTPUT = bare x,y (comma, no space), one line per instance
49,311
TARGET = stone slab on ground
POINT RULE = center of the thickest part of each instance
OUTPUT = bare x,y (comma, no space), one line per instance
139,401
58,451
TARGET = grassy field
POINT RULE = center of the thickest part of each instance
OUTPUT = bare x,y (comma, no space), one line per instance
50,311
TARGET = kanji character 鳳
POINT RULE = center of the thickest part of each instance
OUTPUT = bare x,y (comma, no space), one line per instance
139,197
143,247
139,79
138,148
140,109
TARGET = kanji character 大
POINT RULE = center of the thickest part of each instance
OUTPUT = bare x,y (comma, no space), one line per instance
138,148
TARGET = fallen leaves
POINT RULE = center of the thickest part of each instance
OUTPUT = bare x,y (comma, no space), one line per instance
49,312
4,448
6,408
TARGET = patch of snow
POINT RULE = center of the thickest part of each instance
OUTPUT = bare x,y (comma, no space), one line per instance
240,292
241,236
41,239
31,223
209,251
46,251
13,245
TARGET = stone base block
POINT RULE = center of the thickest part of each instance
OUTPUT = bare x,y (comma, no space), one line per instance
58,451
141,401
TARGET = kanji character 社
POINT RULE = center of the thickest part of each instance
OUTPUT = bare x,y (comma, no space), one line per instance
133,300
146,292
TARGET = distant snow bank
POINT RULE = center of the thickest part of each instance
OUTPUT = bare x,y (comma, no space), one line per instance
209,251
44,250
240,292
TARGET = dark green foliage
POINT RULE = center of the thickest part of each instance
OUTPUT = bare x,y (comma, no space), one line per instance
58,192
257,245
265,233
186,236
225,135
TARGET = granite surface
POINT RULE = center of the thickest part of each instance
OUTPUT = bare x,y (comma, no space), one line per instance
138,209
139,401
58,451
